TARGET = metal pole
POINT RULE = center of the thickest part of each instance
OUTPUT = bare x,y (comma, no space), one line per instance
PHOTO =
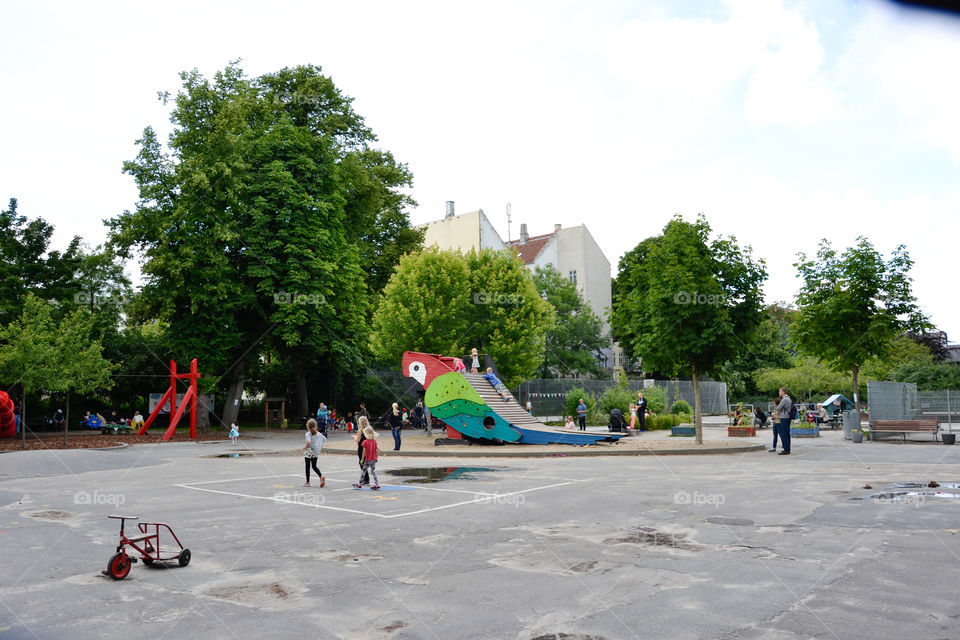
949,420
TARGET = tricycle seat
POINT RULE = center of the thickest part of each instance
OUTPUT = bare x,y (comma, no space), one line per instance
142,538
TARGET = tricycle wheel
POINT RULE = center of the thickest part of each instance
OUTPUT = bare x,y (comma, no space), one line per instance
146,560
119,566
184,558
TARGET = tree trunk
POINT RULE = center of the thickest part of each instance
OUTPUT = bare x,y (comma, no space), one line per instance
66,419
231,407
300,384
697,415
203,412
23,420
856,388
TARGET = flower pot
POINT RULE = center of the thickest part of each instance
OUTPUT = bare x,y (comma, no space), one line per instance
948,438
857,436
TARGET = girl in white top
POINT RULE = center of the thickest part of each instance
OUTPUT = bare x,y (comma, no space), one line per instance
311,449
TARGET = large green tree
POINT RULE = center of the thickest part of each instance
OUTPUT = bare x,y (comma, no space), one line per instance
80,366
444,302
40,353
852,306
28,265
687,304
263,225
574,344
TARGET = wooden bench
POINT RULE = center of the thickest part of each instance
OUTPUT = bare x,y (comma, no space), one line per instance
903,427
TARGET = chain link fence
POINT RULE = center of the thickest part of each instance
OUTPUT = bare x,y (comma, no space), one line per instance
902,401
548,397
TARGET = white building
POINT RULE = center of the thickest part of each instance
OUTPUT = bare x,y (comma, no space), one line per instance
572,251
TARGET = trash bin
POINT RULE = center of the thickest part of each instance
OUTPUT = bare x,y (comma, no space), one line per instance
851,421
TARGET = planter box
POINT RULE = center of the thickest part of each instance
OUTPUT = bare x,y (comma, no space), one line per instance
805,432
741,432
683,431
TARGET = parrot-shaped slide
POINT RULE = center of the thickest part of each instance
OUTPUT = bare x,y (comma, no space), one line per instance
470,405
8,424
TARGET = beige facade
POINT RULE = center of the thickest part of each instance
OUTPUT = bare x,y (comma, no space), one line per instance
462,233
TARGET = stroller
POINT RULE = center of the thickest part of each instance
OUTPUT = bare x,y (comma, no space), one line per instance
617,422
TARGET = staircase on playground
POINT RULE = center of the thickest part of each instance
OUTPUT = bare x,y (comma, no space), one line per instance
511,411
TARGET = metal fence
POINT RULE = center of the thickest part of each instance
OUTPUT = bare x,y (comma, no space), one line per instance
902,401
548,397
892,400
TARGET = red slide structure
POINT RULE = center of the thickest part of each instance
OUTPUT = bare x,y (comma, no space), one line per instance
8,424
189,400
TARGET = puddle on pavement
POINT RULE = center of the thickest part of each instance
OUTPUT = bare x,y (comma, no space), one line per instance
914,492
423,475
243,453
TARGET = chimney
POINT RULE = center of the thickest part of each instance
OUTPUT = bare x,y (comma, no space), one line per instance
524,236
450,213
556,228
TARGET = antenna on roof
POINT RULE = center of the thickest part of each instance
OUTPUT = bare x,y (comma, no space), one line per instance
508,222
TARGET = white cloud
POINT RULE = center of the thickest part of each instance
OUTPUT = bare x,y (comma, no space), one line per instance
910,62
687,68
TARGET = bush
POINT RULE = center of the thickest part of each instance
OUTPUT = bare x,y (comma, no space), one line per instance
617,397
656,399
666,421
681,407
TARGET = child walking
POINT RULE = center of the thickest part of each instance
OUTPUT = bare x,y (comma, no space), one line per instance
234,432
369,459
311,449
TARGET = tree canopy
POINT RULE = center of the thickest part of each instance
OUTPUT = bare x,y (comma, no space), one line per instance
574,344
444,302
266,223
853,305
686,303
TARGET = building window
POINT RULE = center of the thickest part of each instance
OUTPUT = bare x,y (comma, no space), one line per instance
572,276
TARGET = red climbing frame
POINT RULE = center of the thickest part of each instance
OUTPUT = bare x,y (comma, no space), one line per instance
189,399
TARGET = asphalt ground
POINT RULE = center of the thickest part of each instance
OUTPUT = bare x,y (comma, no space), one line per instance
746,545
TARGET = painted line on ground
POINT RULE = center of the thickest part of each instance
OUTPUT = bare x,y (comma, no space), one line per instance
480,497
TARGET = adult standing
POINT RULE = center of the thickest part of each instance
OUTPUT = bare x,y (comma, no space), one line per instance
17,413
428,419
642,410
785,407
394,419
418,414
582,415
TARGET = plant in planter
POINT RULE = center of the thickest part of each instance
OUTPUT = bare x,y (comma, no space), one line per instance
856,435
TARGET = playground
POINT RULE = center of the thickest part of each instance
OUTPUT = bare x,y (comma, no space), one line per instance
745,545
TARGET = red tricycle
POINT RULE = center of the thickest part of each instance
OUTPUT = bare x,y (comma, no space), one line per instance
120,563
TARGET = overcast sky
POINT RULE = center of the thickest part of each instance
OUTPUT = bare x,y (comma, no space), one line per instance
784,122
